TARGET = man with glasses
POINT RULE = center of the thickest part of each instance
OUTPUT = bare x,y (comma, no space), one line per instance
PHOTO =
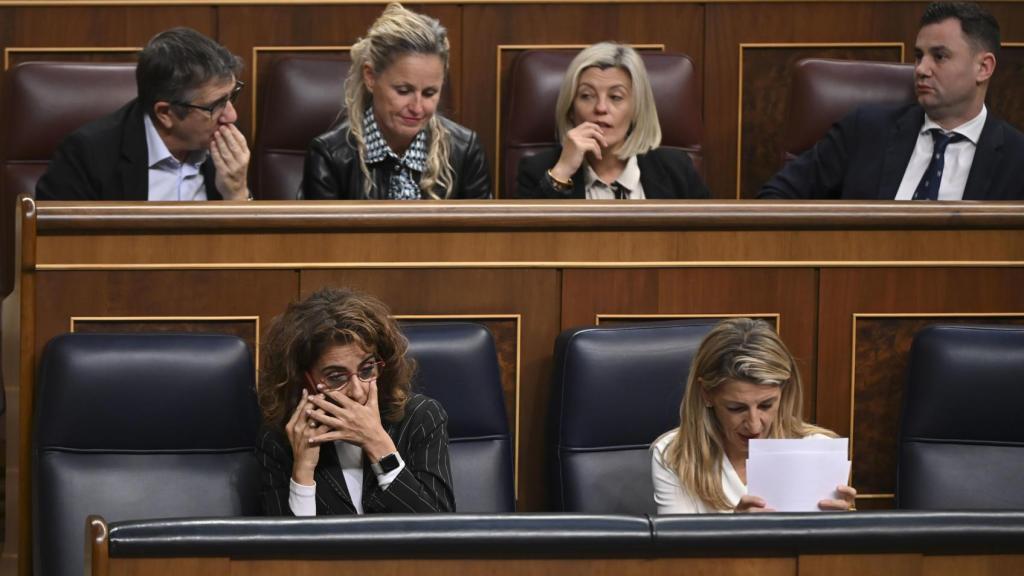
176,141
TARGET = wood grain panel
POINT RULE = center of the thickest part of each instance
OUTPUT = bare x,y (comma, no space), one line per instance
765,79
975,565
790,293
1006,90
881,352
778,22
678,26
859,564
921,291
531,293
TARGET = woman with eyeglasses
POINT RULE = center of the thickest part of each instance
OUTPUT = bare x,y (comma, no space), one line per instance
394,145
343,433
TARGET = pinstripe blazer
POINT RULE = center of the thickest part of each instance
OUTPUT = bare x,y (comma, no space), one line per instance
424,485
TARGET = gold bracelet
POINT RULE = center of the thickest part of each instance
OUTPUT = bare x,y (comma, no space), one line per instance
560,184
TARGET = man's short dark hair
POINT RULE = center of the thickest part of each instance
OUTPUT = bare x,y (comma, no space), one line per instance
978,24
178,61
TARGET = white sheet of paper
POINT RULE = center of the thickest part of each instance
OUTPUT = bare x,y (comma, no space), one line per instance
794,475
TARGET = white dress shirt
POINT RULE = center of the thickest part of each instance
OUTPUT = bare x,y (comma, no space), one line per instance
670,495
958,160
597,189
169,179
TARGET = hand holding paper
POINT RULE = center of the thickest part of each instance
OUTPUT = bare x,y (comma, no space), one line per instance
795,475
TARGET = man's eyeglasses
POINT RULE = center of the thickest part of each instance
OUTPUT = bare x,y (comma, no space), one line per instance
367,371
217,107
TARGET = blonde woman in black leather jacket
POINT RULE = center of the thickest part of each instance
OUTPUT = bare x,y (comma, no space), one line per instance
394,146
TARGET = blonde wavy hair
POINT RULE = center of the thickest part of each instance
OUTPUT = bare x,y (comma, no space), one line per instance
398,32
644,131
735,349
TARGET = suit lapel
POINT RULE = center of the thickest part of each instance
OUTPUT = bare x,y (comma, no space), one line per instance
900,145
134,162
328,471
987,156
653,179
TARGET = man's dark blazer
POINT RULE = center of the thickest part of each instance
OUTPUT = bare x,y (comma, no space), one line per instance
864,156
665,173
107,159
424,485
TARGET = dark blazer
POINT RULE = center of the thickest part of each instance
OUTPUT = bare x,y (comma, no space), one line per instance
332,168
665,173
107,159
424,485
864,156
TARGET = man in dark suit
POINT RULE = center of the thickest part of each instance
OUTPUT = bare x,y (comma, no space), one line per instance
176,141
947,146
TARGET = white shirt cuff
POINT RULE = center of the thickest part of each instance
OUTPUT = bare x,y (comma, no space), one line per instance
301,498
385,480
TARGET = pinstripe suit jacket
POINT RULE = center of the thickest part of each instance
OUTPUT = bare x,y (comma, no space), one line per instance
424,485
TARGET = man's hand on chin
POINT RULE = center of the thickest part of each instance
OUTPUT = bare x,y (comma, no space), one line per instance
230,155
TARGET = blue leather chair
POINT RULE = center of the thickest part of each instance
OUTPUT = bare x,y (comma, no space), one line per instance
136,426
961,439
457,365
614,391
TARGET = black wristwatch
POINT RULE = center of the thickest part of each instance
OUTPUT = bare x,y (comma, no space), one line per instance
386,464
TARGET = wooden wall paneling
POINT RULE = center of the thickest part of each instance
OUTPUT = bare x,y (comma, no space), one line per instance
1006,90
859,564
765,78
789,292
679,27
530,293
777,22
243,28
851,300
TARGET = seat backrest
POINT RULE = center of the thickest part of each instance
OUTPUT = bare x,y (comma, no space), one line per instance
301,98
824,91
50,100
614,391
46,102
457,365
961,439
536,75
134,426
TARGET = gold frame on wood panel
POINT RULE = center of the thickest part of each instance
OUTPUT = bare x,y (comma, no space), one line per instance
546,264
853,364
65,49
776,315
518,319
768,45
497,93
255,72
254,319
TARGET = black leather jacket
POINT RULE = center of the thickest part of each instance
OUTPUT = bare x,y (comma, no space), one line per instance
332,172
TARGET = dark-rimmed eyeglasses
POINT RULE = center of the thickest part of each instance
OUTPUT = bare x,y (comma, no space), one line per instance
367,371
218,106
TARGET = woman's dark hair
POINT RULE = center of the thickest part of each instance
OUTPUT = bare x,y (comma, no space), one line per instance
178,61
330,317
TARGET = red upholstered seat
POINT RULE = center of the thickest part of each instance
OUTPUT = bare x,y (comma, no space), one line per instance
824,91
